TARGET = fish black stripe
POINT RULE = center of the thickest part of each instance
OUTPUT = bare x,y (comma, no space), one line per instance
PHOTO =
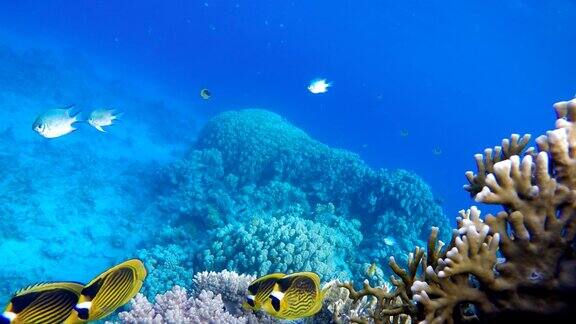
20,302
92,290
121,294
284,283
55,308
253,288
119,287
113,283
275,303
265,290
58,304
124,283
44,301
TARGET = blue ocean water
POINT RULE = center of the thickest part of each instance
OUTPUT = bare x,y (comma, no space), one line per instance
416,85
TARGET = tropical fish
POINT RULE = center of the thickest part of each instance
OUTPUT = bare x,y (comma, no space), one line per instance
390,241
259,291
108,291
295,296
102,117
371,270
55,122
42,303
205,94
319,86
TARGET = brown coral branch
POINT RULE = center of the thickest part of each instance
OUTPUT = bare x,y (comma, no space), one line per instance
485,162
535,278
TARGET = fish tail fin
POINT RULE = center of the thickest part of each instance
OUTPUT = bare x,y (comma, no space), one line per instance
118,115
73,113
77,117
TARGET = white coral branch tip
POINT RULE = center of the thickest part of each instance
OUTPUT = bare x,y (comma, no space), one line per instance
481,196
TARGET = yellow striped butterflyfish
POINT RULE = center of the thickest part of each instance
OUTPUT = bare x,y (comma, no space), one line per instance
259,291
108,291
295,296
50,302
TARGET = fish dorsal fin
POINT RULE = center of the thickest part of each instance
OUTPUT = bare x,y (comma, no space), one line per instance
20,302
284,283
255,285
311,275
42,286
26,296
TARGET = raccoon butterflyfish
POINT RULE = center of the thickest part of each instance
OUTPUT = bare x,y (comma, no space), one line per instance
259,291
295,296
108,291
205,94
50,302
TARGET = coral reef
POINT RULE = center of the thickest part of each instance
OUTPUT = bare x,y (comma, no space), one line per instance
176,306
259,146
516,266
216,299
283,243
79,197
251,168
167,266
229,284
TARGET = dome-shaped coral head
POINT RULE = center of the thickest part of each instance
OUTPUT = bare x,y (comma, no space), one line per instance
319,86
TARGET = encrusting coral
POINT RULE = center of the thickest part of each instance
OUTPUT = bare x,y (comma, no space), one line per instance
518,265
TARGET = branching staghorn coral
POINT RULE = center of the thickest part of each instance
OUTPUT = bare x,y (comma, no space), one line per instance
518,265
485,162
391,306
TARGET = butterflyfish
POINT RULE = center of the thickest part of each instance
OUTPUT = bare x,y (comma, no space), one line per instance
108,291
295,296
42,303
259,291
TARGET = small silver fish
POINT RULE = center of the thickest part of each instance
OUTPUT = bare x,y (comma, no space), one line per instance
102,117
55,122
390,241
319,86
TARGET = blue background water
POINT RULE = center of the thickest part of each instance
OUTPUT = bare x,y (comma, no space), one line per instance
454,75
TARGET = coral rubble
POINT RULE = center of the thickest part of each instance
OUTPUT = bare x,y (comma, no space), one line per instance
516,266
